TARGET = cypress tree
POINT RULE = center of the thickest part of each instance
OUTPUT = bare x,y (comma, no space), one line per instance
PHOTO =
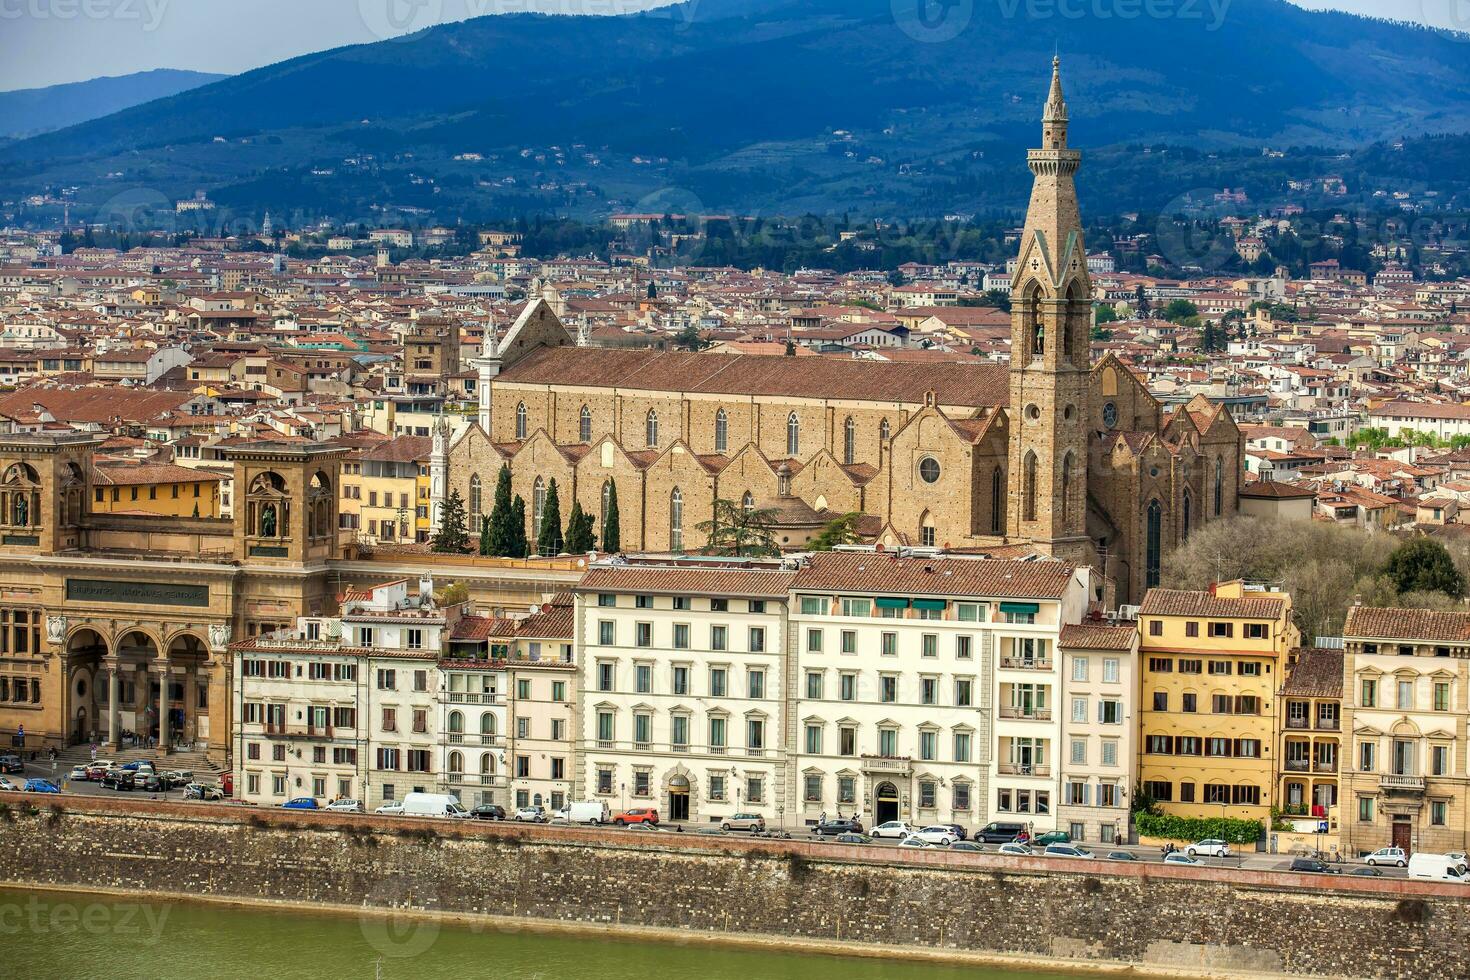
516,548
452,538
612,537
484,535
578,530
549,538
502,521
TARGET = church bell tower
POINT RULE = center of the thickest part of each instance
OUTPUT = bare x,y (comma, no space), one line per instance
1051,327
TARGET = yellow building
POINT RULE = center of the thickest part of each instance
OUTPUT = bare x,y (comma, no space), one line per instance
385,491
1211,665
1310,737
131,486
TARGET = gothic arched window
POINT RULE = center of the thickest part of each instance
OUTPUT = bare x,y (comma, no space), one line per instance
606,506
476,501
584,425
793,435
1153,544
538,506
676,520
883,431
1066,488
1219,485
998,501
1028,488
650,429
722,432
521,421
1184,524
927,534
849,441
747,502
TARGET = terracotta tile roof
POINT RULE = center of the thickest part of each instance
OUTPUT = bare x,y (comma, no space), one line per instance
99,404
402,449
1317,674
758,583
555,623
1275,490
1090,637
974,385
1174,602
1378,623
886,573
127,473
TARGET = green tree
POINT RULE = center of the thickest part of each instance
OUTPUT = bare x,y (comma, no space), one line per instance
1106,313
517,545
734,530
1140,302
549,538
1179,309
485,534
502,521
612,535
580,538
999,298
690,339
790,348
1424,565
841,530
452,538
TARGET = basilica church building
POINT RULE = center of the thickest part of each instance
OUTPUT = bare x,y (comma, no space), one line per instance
1050,454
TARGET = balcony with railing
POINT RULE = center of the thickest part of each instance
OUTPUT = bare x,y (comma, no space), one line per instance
1401,782
474,738
468,697
301,731
898,765
1298,765
1324,765
1300,724
1025,663
1025,713
1024,769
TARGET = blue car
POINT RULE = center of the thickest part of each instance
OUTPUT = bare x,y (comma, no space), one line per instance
41,786
300,803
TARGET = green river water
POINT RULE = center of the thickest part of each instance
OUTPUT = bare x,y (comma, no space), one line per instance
48,934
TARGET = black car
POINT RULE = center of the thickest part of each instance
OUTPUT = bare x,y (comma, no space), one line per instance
488,811
965,845
1313,866
999,833
152,784
1122,856
838,825
119,780
1366,872
11,763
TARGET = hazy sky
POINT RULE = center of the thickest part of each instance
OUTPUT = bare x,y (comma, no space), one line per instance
44,42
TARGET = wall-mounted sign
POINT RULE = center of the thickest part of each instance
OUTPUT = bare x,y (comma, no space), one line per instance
141,593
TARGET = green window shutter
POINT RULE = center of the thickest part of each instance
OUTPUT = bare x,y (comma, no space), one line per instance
936,604
884,603
1020,607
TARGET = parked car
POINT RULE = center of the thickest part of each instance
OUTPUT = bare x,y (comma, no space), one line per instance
119,780
594,812
433,805
1312,866
1393,856
149,783
1122,856
960,833
11,763
344,806
744,821
1459,858
650,827
838,825
1366,873
965,845
1052,837
203,791
488,811
1067,851
301,803
1179,857
1000,833
390,809
1016,850
41,786
1435,867
97,770
8,786
637,815
893,828
530,814
179,777
940,835
1208,848
914,840
78,773
853,839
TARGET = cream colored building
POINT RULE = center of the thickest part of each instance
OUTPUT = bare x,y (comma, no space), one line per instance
684,686
1405,684
1098,708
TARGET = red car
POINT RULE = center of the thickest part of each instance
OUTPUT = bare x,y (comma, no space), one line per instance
96,771
636,815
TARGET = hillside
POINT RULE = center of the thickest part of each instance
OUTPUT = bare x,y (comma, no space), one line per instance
752,105
27,112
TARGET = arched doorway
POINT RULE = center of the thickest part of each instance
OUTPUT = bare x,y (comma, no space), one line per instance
85,650
885,803
188,690
679,798
137,653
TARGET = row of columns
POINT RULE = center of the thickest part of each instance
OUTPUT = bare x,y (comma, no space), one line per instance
159,670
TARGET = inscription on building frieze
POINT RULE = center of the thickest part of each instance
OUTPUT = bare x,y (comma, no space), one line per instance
141,593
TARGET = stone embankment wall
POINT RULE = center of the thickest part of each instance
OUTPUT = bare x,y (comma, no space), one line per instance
833,897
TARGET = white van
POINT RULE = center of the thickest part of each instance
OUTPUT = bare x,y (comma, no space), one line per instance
432,805
593,811
1435,867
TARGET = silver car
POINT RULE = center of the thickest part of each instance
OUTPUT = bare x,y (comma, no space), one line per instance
744,821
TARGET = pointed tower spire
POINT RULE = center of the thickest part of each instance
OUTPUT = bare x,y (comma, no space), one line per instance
1054,119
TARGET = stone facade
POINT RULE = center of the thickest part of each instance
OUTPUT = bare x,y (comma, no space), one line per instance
824,897
1074,460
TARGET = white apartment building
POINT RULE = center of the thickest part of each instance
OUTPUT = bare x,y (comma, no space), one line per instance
684,686
1097,707
925,686
544,685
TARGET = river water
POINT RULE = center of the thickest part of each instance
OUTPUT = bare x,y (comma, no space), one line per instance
50,934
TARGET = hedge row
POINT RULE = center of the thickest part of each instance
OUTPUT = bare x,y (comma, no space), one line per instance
1170,827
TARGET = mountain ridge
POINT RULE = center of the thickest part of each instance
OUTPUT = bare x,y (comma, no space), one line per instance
32,111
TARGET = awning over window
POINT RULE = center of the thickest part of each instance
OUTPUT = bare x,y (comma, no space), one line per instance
885,603
929,604
1020,607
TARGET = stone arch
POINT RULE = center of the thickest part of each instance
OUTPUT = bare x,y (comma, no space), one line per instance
319,500
268,506
20,496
